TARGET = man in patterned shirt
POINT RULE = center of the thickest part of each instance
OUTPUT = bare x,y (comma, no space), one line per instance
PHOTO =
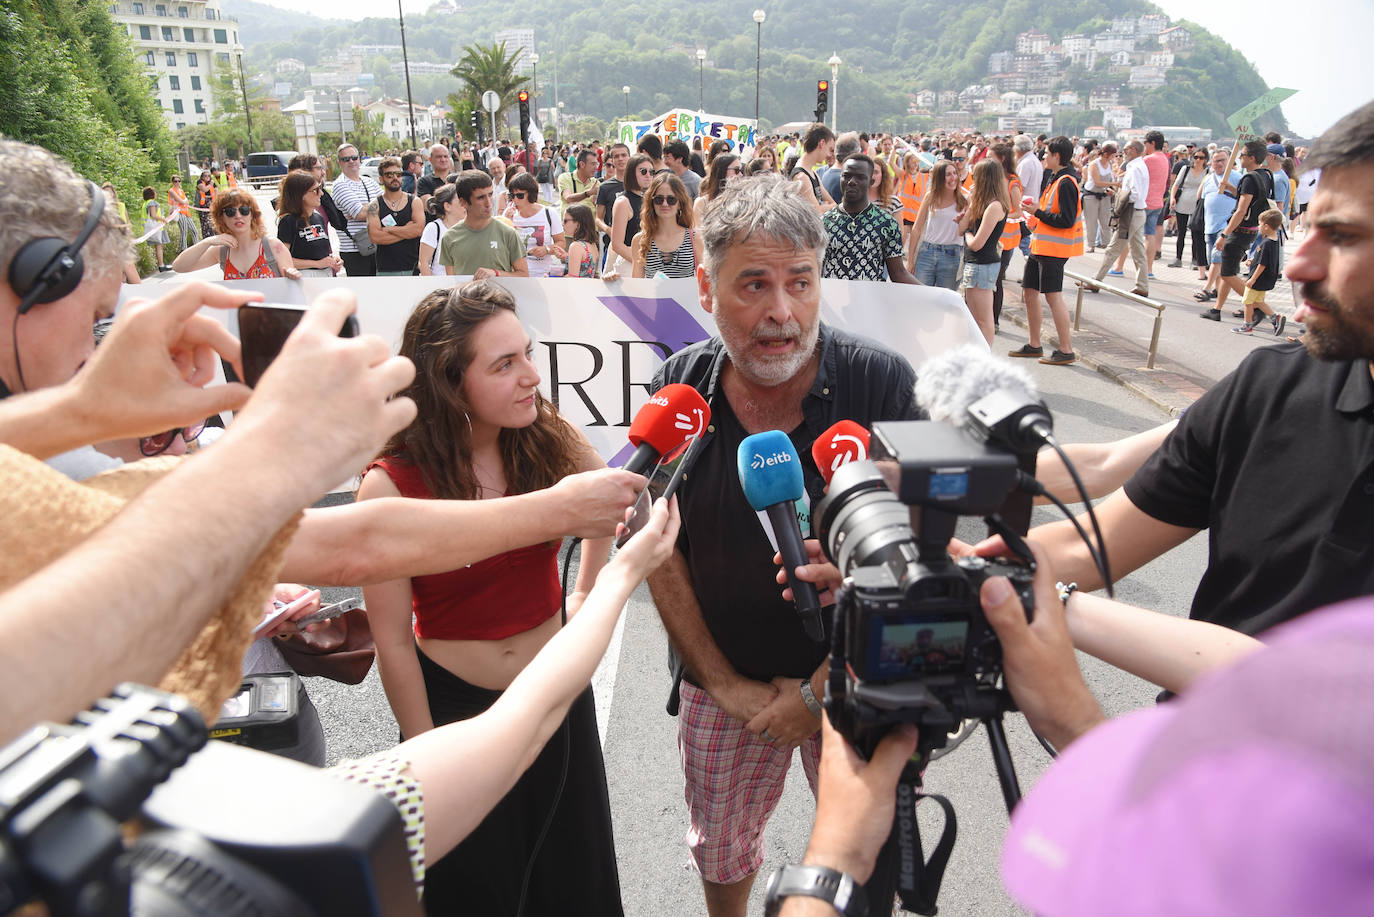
865,241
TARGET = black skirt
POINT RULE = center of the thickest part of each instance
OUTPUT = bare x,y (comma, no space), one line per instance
575,869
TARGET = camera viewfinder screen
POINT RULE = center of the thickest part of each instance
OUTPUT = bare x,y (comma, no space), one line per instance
948,485
241,704
902,648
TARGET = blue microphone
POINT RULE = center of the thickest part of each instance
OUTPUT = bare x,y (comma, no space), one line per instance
771,474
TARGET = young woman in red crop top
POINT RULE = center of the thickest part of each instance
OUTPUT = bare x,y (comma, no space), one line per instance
482,431
242,247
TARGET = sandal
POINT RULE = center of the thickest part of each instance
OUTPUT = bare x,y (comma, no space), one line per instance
1204,296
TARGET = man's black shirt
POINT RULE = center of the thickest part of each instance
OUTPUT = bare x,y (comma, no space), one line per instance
1277,461
728,555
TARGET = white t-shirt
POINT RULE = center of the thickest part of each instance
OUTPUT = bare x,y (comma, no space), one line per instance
434,231
535,230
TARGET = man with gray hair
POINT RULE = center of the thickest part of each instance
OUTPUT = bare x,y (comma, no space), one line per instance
1130,206
751,677
846,145
1031,171
442,172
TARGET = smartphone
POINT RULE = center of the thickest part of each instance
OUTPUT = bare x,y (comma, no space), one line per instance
663,482
327,612
263,329
282,610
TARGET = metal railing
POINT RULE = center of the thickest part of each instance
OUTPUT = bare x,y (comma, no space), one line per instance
1134,298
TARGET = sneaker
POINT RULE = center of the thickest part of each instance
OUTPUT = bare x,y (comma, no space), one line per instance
1279,321
1212,315
1026,350
1116,273
1175,264
1152,275
1059,358
1244,328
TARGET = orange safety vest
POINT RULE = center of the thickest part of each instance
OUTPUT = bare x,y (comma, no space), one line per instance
1049,241
177,202
913,191
1011,234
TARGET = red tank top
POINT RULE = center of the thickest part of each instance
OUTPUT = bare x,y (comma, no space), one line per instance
490,600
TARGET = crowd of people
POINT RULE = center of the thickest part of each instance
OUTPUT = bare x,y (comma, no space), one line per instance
472,478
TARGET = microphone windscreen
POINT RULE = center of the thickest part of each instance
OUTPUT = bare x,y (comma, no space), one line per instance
671,415
948,384
769,469
843,443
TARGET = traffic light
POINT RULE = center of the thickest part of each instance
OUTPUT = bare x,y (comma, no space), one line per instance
524,98
822,98
476,123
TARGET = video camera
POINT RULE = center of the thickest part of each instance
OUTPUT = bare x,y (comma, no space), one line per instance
224,829
911,643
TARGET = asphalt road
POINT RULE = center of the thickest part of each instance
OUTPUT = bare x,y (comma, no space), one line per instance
639,738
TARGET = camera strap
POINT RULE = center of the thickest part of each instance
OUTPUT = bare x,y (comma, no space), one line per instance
918,879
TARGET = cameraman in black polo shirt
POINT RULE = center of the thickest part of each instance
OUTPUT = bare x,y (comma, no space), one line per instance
1276,461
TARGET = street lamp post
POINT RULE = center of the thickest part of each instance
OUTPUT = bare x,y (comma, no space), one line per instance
759,16
626,90
701,79
834,63
405,62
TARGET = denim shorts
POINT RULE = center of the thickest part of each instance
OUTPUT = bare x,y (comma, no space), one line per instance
1213,256
938,265
981,276
1152,220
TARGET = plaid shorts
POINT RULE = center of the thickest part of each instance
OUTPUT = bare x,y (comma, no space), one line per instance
734,781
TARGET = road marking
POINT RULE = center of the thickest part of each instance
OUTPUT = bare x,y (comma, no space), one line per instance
603,679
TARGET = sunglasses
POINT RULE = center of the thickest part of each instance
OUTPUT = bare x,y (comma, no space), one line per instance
1200,158
734,170
243,210
665,200
517,195
349,158
156,445
392,174
315,190
176,181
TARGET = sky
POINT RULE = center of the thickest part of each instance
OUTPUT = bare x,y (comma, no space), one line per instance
1318,47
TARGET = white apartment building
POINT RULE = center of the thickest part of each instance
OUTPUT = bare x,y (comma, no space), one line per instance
521,43
185,46
396,119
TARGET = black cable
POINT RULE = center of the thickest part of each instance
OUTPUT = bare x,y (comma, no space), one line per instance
567,752
1103,565
14,339
1068,514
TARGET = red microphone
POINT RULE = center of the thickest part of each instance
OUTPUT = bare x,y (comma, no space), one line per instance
843,443
671,416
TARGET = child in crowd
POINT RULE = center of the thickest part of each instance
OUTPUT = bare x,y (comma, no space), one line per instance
1264,273
155,224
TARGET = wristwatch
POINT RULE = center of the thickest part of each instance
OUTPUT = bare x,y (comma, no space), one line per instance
809,698
835,888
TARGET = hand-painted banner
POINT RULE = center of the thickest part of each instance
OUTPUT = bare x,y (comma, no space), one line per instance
684,124
598,344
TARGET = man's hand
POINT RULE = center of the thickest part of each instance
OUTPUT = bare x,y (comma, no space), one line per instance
594,502
149,374
1038,657
786,722
825,575
855,800
483,273
744,699
325,406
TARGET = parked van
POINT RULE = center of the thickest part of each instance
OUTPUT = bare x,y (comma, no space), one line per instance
263,168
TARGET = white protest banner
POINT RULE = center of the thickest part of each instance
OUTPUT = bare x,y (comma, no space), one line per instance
684,124
598,344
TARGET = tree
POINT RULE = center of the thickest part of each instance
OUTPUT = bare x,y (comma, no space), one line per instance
485,68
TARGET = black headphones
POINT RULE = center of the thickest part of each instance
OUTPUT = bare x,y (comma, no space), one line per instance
47,269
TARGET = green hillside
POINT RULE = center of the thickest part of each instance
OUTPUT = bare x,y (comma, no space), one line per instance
890,49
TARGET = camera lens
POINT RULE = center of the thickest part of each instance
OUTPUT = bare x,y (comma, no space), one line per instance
862,522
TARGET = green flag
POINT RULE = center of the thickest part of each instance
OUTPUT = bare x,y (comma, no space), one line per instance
1241,122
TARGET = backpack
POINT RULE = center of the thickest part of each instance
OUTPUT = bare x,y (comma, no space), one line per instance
544,172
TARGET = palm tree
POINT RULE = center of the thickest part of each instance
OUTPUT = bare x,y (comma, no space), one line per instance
489,67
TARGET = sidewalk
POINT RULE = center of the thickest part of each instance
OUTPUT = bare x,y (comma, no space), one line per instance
1114,336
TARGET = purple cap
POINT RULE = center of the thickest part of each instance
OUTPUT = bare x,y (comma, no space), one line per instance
1253,793
1277,149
